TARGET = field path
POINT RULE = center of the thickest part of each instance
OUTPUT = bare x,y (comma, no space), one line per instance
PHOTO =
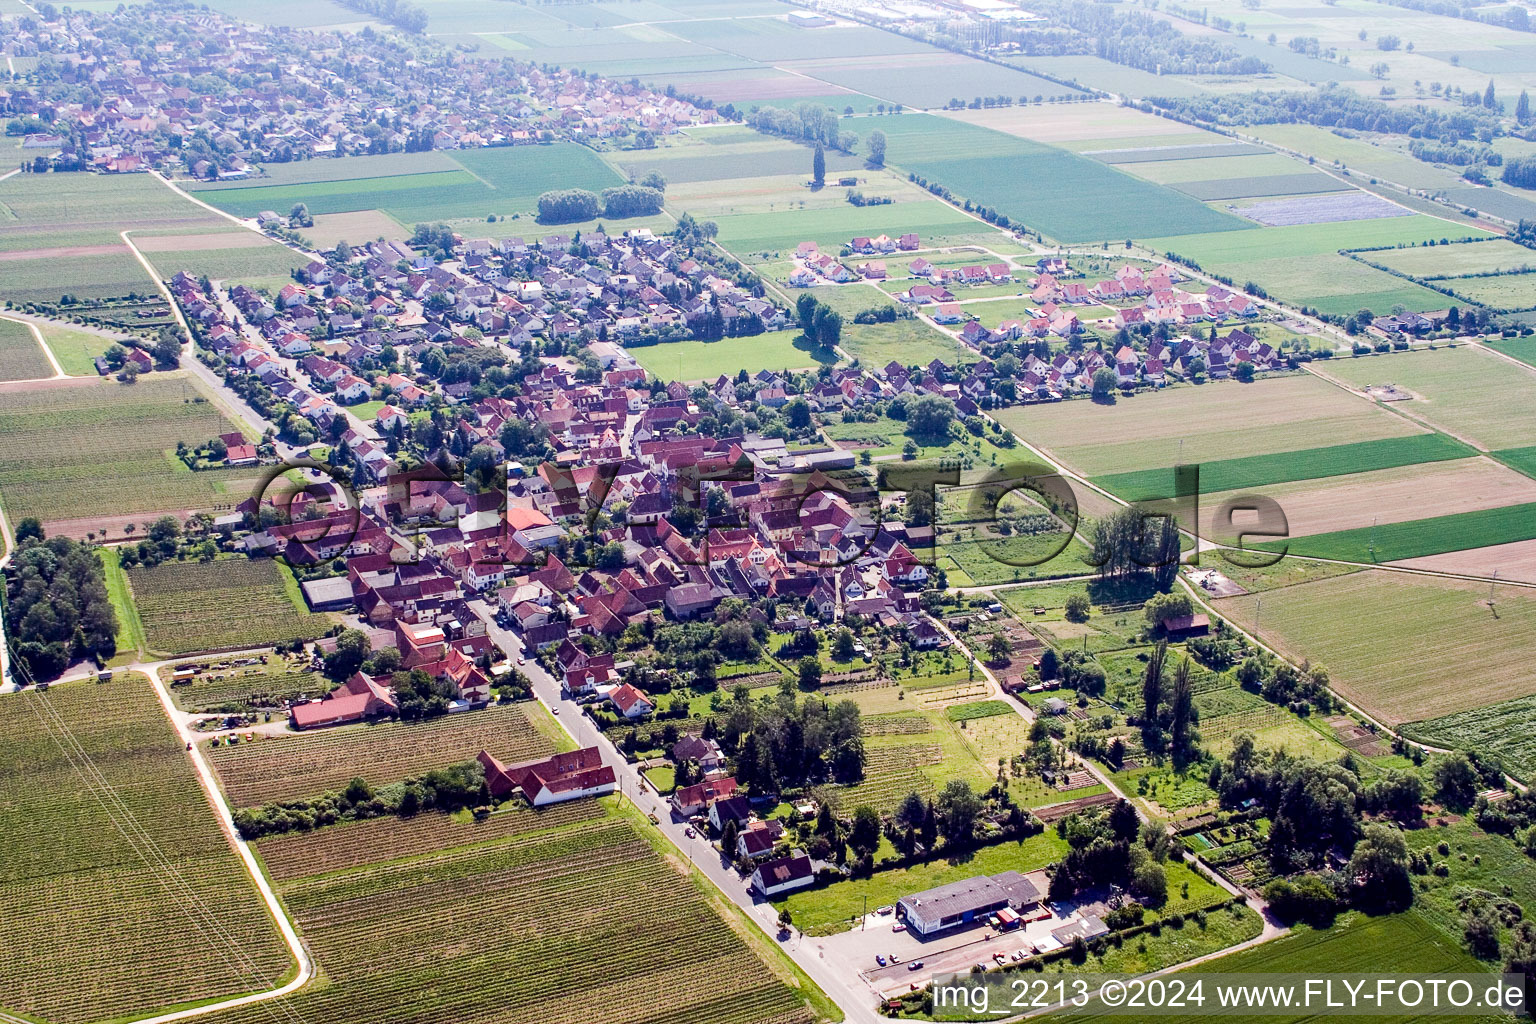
58,371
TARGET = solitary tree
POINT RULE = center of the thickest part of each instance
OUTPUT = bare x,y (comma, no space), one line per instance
877,148
1489,99
819,165
1523,108
1152,683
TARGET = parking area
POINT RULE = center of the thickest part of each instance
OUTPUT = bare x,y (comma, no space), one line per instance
856,951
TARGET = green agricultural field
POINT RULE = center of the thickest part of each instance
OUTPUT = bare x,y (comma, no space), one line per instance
1261,186
1505,292
21,357
1011,559
1523,349
1285,467
351,168
75,350
130,628
1209,423
909,342
98,449
50,211
1415,538
228,604
504,180
1455,260
1507,729
291,767
1470,393
1356,154
720,155
124,862
422,922
1406,648
1394,944
1300,263
707,360
242,265
1066,196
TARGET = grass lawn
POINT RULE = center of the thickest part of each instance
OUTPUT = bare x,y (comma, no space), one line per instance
664,777
987,563
130,628
909,342
827,909
367,410
1477,860
1372,629
707,360
74,349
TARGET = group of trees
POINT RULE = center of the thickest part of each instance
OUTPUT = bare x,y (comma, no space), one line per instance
784,742
399,13
807,122
1520,172
1168,715
571,205
1109,846
442,789
819,322
1339,107
57,608
1129,543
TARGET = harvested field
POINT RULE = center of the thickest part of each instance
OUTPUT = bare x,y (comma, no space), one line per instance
1465,391
86,448
1056,124
355,228
1404,647
308,764
1515,561
1388,496
226,604
929,78
1219,421
1331,209
110,853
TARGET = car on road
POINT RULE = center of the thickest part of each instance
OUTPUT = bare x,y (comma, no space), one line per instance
879,959
1000,958
1018,955
555,710
893,958
899,926
522,660
689,832
915,965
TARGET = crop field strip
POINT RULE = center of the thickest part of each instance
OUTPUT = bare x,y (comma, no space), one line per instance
101,806
97,448
433,939
341,847
21,357
1416,648
221,605
1506,730
1286,467
291,767
1217,422
1416,538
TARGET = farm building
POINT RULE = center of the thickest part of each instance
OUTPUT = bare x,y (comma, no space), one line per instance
553,780
358,698
1181,626
808,19
328,595
961,903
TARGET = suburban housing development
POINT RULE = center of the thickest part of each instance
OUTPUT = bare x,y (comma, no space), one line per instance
751,513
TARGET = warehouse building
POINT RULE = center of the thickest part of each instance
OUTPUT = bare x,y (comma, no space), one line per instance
963,903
